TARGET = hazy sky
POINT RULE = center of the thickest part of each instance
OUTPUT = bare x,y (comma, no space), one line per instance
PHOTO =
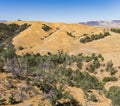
60,10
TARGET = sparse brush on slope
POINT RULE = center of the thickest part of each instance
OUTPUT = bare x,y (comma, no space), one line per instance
51,73
46,71
8,32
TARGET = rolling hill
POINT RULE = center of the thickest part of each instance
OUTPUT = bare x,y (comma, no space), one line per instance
58,63
36,40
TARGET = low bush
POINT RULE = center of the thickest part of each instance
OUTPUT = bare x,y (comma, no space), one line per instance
70,34
107,79
93,37
12,100
110,68
93,98
116,30
20,48
46,27
114,95
1,64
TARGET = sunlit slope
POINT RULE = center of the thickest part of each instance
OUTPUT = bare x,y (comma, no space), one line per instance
109,47
36,40
31,38
67,37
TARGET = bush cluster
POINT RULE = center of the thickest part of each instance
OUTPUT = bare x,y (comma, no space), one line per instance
93,98
114,95
93,37
110,68
116,30
107,79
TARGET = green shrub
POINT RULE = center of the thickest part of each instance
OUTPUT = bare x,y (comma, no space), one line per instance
9,52
112,71
59,94
88,59
90,82
96,63
101,57
110,68
109,65
79,65
91,68
93,98
107,79
106,33
12,99
116,30
114,95
46,27
93,37
70,34
46,85
1,64
85,81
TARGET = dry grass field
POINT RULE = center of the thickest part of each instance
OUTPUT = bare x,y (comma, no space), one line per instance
66,38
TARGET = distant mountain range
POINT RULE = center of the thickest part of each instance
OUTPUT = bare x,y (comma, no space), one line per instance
3,21
113,23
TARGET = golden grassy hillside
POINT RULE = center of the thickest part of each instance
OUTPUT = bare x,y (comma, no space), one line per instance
31,39
64,37
35,39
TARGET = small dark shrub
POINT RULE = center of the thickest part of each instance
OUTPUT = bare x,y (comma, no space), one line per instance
70,34
46,27
93,98
12,99
20,48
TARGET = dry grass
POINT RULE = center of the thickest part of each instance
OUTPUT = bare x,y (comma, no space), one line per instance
31,40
